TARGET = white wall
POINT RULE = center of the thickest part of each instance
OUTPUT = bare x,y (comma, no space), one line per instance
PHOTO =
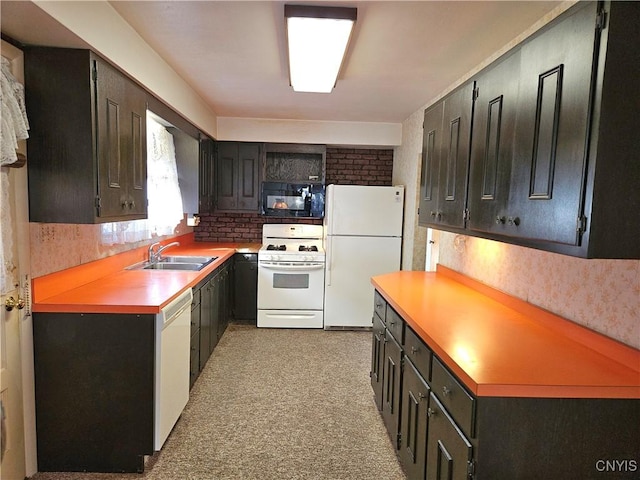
363,134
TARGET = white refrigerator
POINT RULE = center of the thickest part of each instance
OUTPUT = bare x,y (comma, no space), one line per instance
362,238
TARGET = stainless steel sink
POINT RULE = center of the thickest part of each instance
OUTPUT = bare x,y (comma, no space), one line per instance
181,262
186,259
174,266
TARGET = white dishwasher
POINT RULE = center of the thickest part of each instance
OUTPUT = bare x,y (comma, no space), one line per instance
173,336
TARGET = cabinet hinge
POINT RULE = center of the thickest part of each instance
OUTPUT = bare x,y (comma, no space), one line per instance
601,21
94,74
475,93
465,215
471,468
581,225
399,441
97,202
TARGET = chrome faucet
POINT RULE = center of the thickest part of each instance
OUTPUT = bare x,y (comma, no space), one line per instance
155,255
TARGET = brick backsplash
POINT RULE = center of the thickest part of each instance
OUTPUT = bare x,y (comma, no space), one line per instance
348,166
345,166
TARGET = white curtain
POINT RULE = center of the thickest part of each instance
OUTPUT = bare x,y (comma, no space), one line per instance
14,127
163,190
165,210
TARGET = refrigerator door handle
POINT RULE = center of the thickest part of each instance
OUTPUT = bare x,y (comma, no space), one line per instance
327,261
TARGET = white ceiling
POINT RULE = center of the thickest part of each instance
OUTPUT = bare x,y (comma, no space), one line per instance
233,54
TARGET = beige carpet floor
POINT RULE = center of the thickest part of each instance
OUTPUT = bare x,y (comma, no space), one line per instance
276,404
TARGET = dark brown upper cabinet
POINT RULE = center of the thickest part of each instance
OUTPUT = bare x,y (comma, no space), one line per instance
549,160
445,159
87,142
237,176
492,146
295,163
553,159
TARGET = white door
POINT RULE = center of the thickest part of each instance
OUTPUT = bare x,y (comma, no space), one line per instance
16,341
351,262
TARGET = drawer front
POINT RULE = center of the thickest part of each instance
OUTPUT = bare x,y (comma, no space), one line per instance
196,298
456,399
395,325
416,351
379,306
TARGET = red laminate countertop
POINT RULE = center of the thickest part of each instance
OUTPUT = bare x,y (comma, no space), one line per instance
500,346
106,286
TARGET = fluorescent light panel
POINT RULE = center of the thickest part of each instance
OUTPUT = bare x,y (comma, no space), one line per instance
317,38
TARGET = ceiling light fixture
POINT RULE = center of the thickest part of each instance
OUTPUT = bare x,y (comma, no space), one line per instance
317,38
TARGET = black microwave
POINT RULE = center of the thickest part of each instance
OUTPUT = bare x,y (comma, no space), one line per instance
300,200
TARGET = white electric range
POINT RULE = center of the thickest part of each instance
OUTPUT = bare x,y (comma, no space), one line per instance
291,276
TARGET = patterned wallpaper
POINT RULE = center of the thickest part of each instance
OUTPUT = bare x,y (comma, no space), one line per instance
603,295
56,246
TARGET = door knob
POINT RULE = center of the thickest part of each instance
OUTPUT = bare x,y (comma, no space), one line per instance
10,303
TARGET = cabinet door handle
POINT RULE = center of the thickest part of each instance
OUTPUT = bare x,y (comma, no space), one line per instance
500,220
430,412
132,204
421,396
446,391
514,221
414,350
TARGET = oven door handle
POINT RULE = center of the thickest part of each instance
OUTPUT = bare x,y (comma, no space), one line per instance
279,266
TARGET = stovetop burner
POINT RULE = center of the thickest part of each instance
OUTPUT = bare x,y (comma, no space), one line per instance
307,248
276,247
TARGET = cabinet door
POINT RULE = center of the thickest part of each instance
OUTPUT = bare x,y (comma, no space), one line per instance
494,117
552,130
223,301
377,359
432,131
245,287
136,145
122,145
205,177
215,310
449,453
206,309
413,424
110,89
454,159
392,382
226,175
248,172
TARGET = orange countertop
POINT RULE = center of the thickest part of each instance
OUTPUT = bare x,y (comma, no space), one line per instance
106,286
500,346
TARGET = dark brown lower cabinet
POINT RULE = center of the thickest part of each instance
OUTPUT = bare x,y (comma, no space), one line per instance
210,314
391,384
94,386
413,424
449,453
377,359
444,432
